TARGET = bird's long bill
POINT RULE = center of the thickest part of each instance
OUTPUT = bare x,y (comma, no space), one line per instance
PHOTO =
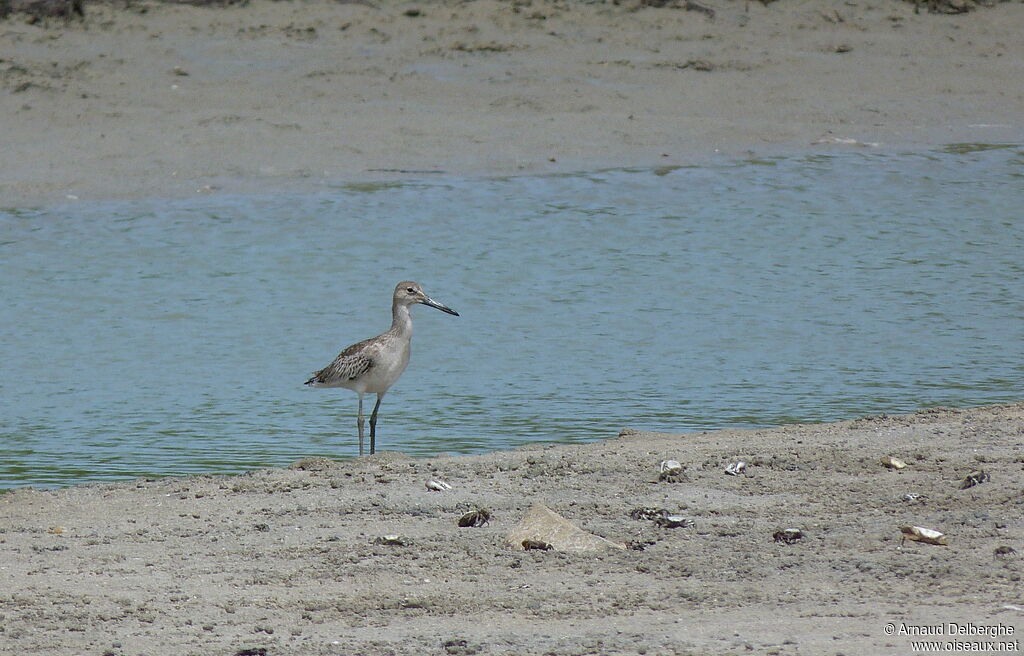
440,306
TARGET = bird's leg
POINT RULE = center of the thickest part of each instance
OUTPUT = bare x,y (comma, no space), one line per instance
373,424
360,424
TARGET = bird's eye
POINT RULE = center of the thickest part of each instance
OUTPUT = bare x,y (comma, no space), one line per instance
410,290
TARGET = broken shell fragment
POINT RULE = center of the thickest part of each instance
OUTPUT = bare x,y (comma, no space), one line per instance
736,469
437,485
890,462
392,540
788,535
671,471
540,545
661,517
648,513
475,518
920,534
673,521
672,466
976,477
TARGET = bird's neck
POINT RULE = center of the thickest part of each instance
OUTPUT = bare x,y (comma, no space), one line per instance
401,320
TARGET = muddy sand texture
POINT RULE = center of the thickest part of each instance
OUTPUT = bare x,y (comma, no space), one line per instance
164,99
288,561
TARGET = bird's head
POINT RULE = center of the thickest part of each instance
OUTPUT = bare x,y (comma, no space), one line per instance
408,292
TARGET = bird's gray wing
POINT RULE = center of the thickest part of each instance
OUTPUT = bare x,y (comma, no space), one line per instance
350,363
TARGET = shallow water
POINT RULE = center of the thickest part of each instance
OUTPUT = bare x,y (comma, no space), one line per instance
165,337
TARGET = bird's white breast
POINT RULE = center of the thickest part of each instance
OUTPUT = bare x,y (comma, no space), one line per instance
388,365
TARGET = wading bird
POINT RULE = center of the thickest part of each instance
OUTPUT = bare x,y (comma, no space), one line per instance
373,365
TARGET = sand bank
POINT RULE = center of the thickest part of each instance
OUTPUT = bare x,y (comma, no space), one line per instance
289,561
175,100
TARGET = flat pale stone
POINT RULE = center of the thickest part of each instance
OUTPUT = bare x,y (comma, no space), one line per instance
545,525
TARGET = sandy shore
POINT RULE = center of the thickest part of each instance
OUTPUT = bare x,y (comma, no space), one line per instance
288,561
163,100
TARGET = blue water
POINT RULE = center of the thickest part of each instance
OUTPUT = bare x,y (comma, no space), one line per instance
168,337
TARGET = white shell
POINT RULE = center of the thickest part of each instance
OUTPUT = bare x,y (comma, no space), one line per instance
890,462
671,471
673,521
437,485
788,535
736,469
921,534
671,467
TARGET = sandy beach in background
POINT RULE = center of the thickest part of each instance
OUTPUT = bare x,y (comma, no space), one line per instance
174,100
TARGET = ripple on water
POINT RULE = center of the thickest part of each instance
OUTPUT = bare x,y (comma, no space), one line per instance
174,337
